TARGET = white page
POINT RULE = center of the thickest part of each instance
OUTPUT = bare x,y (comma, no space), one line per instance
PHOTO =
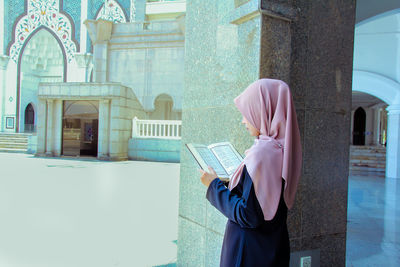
227,155
210,159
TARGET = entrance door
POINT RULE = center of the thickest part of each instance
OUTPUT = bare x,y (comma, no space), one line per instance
359,127
29,119
80,128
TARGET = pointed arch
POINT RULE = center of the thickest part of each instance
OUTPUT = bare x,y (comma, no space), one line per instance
29,118
359,127
112,11
43,13
19,66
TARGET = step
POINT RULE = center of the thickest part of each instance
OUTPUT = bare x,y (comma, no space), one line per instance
18,146
363,168
19,141
367,157
354,161
367,152
369,161
15,135
13,150
381,166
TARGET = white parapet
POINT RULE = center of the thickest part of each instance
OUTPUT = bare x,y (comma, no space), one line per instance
165,6
161,129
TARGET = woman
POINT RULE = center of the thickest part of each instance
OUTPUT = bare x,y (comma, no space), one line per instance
264,185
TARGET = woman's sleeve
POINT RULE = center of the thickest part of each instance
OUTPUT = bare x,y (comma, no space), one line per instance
243,210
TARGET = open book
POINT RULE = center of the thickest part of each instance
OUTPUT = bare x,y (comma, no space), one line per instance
222,157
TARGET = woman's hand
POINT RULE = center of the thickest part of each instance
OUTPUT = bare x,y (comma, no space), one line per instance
207,177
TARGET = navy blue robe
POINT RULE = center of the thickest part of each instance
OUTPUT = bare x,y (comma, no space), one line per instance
249,240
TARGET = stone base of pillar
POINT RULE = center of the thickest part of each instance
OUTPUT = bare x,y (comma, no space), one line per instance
116,158
103,157
49,154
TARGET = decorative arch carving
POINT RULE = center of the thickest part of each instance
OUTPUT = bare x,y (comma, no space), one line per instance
43,13
111,10
162,96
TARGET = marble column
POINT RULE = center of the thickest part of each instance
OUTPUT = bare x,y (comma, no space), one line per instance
393,142
84,16
104,130
84,62
377,125
100,34
3,68
139,7
2,18
49,127
309,46
57,127
41,127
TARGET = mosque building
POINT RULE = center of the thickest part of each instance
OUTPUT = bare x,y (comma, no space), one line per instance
76,73
115,79
56,54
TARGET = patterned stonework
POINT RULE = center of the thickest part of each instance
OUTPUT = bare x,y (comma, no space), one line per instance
133,11
112,11
43,13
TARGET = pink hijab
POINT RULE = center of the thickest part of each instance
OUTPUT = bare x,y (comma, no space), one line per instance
267,104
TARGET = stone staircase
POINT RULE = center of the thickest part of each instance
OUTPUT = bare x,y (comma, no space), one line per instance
14,142
368,159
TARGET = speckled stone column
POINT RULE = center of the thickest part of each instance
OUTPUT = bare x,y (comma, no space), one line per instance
309,44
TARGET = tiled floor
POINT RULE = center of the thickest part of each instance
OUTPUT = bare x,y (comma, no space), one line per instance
373,228
80,213
65,212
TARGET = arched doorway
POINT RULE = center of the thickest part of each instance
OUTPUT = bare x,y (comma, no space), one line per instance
42,60
80,128
29,126
163,109
369,129
359,127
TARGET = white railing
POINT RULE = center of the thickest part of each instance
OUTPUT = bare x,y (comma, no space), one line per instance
162,129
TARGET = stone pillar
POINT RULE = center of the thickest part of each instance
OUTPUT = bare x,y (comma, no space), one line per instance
2,17
104,130
377,125
84,16
49,128
41,127
139,7
3,68
393,142
100,34
57,127
351,126
309,46
84,62
369,126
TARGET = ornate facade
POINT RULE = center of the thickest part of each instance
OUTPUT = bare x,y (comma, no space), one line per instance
53,41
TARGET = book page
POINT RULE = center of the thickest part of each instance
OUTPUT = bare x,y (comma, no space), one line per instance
205,158
228,156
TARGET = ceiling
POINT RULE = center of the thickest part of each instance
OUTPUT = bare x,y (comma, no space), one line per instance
368,8
364,100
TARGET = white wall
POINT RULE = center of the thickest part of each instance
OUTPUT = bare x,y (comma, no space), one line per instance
151,61
377,45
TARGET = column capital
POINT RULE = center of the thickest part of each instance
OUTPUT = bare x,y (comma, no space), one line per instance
393,109
99,30
83,59
4,61
105,101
